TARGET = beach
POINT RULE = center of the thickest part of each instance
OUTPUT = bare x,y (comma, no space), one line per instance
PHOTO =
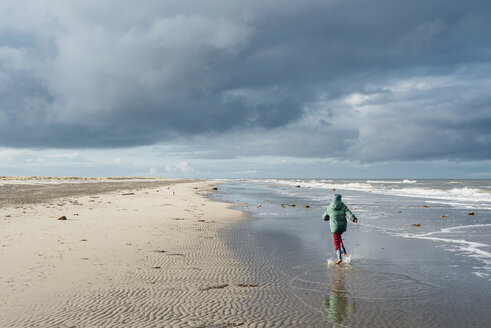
180,253
172,164
134,254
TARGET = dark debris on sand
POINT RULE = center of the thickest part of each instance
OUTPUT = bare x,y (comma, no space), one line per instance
214,287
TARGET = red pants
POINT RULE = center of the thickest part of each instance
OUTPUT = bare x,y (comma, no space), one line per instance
337,240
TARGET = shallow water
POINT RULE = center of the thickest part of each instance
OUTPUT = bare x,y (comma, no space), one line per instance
436,275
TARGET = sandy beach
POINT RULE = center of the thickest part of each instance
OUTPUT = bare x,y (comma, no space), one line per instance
174,253
143,254
169,164
135,254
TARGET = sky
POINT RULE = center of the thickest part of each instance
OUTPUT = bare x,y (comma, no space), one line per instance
246,89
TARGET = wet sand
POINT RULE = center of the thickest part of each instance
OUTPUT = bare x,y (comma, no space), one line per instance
390,281
366,292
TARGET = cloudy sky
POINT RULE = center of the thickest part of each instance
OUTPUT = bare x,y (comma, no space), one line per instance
266,88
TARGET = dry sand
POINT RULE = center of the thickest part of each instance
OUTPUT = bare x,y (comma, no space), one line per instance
149,259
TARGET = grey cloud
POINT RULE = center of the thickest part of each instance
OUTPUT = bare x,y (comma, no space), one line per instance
421,119
244,74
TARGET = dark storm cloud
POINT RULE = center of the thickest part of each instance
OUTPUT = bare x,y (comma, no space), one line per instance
367,80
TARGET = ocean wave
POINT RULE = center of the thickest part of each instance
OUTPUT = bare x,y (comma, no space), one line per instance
465,194
459,194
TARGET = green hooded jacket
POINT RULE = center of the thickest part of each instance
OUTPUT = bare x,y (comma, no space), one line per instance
336,213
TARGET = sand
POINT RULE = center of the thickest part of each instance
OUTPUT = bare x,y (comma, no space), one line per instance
24,191
131,255
160,253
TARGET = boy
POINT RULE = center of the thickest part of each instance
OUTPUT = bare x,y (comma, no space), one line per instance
336,212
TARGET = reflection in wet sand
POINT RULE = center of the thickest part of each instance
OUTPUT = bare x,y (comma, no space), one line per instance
387,284
339,305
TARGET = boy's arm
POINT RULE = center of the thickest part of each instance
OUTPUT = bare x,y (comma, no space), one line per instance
325,216
350,215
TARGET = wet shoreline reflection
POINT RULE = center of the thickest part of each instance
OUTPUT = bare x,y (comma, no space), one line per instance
388,282
339,305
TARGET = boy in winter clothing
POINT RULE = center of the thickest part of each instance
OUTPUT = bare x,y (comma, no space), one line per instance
336,213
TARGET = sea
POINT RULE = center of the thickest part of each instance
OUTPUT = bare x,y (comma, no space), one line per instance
419,256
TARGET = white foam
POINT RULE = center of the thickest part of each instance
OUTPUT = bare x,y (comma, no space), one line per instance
451,229
462,205
469,248
268,214
466,194
481,274
460,194
346,259
391,181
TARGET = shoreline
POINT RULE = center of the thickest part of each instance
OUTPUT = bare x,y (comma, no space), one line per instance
152,257
387,272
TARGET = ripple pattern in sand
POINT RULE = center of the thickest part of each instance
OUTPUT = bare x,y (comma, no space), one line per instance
200,284
220,278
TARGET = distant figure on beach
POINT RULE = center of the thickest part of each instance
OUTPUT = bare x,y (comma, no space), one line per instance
336,213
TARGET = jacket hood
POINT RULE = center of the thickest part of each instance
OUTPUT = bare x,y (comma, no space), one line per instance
337,205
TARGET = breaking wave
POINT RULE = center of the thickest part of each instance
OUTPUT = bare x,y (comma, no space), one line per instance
399,188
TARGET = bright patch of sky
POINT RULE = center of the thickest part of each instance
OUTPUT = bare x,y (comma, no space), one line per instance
160,161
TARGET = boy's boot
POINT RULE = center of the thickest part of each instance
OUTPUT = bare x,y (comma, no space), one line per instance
343,250
340,258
